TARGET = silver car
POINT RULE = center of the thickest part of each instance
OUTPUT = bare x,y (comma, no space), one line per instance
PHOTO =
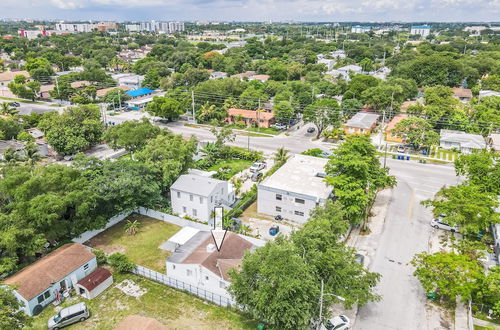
69,315
439,224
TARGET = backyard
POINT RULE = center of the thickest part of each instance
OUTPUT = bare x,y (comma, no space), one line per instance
175,309
141,248
227,168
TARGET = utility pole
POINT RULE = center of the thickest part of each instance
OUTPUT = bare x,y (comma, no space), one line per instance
119,99
57,87
192,104
320,306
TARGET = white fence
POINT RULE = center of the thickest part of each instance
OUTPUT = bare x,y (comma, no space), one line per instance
91,233
176,284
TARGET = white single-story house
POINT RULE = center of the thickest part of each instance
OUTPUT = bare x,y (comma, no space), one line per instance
464,142
346,71
93,284
361,123
294,189
196,196
46,280
197,262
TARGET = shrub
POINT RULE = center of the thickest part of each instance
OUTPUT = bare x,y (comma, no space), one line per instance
100,256
120,262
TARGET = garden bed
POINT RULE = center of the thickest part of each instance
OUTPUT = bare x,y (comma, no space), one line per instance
141,248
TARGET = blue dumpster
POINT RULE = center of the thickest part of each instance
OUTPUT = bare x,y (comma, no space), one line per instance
274,230
424,152
407,157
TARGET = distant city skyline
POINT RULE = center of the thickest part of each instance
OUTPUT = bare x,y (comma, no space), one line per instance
253,10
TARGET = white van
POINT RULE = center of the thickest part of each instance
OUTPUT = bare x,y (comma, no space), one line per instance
69,315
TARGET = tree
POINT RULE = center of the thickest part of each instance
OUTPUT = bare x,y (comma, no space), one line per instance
449,274
12,316
466,206
323,113
492,82
489,292
170,154
74,130
31,154
194,76
39,68
283,112
222,135
132,227
281,155
382,96
151,79
9,128
23,88
276,285
252,98
165,107
7,110
209,112
482,169
366,64
417,131
121,262
131,135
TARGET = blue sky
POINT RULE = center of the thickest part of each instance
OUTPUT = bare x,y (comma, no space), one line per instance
256,10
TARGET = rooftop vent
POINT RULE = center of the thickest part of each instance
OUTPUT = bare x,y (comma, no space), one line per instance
210,248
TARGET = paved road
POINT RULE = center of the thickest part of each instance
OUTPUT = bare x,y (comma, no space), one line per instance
297,141
27,108
405,232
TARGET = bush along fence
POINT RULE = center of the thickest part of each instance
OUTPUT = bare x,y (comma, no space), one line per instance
215,298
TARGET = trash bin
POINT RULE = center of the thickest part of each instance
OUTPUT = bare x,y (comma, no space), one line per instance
274,230
261,326
407,157
431,295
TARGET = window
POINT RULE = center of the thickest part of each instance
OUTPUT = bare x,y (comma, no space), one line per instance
201,200
41,298
191,198
278,209
178,194
86,267
189,272
299,213
46,295
211,199
279,197
299,201
206,278
184,209
195,212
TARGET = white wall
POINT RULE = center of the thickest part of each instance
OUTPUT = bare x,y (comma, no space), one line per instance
267,203
199,276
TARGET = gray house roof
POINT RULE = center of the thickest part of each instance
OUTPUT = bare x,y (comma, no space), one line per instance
195,184
466,140
363,120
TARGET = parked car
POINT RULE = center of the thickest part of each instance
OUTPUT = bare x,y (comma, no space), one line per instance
280,126
311,130
340,322
278,217
401,148
14,104
326,154
257,166
256,176
439,224
360,259
69,315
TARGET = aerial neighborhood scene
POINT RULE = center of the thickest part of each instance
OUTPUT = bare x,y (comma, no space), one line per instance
299,165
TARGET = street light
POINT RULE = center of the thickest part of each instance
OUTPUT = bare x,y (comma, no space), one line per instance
322,294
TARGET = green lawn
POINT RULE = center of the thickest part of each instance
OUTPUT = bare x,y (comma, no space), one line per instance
233,166
175,309
141,248
19,100
266,130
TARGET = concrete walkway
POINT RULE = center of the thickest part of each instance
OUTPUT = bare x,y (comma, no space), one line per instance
485,324
461,316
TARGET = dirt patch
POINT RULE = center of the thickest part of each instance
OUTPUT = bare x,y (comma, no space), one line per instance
130,288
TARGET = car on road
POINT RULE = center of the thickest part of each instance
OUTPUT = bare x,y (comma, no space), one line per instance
14,104
340,322
280,126
257,166
401,148
256,176
360,259
326,154
69,315
439,224
311,130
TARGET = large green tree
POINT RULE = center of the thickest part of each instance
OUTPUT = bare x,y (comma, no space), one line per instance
165,107
323,113
131,135
76,129
11,315
24,88
417,131
283,112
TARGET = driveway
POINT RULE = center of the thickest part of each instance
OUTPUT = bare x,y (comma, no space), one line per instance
399,234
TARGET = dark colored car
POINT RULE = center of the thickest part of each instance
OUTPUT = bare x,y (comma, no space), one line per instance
311,130
256,176
14,104
360,259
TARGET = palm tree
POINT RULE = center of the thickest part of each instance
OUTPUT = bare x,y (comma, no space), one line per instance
281,155
132,227
31,154
6,109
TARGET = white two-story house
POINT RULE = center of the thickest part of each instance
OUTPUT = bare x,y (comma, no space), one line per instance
196,196
295,189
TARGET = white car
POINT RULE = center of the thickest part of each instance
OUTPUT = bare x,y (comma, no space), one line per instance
257,166
439,224
339,322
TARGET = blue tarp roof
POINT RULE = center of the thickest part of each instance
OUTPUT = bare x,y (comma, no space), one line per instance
139,92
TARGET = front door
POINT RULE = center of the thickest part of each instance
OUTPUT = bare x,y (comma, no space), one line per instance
63,285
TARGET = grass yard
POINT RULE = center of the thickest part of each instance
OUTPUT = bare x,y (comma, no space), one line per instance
233,166
266,130
175,309
141,248
251,212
